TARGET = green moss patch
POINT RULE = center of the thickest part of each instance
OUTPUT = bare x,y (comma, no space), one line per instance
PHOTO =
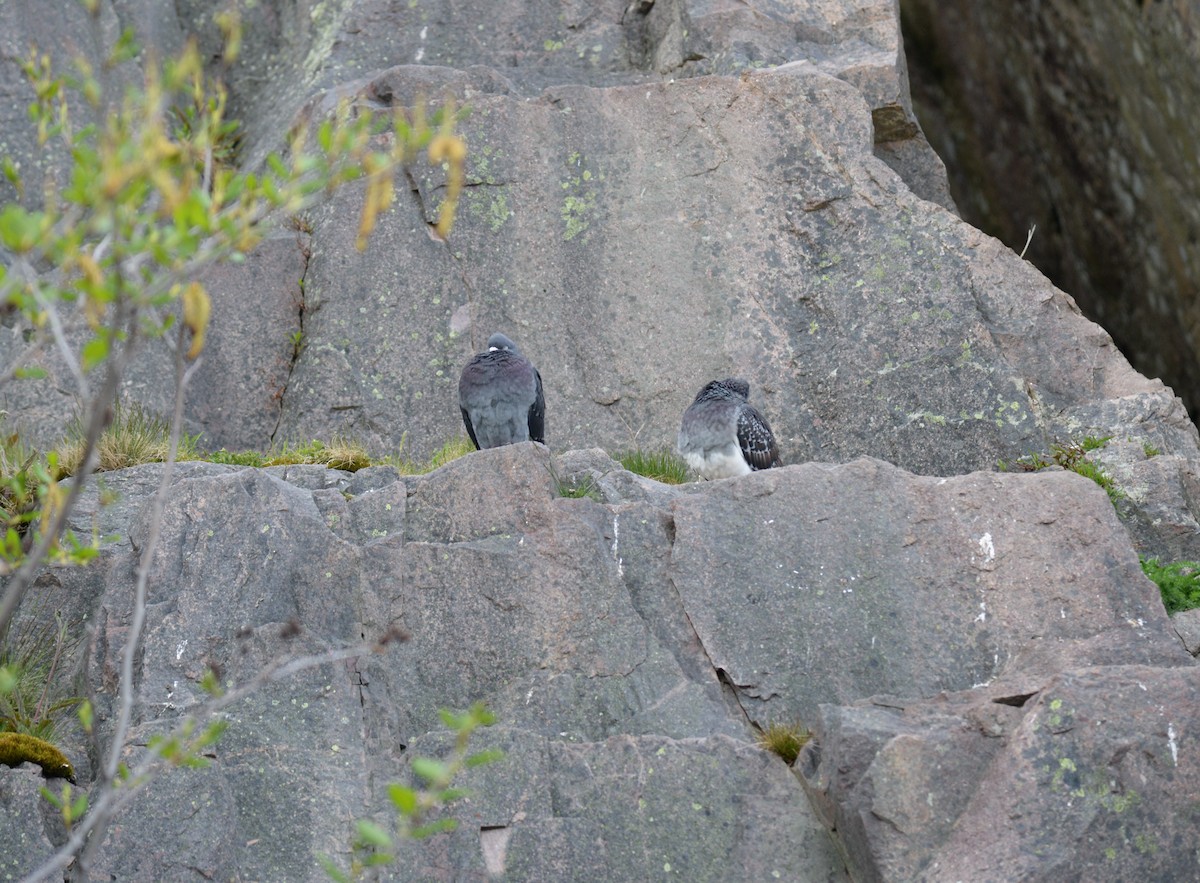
19,748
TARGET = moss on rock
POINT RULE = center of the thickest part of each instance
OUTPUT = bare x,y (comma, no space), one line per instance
19,748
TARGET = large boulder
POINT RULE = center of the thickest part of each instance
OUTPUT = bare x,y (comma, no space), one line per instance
631,646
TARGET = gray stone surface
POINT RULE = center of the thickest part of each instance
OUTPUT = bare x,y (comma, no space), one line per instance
928,629
868,591
22,813
979,787
655,203
1187,626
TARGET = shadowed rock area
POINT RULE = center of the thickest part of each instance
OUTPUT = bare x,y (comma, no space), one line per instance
1080,120
659,193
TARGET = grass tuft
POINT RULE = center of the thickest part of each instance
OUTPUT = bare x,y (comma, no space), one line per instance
135,436
786,740
1178,583
662,465
457,447
34,693
346,454
585,487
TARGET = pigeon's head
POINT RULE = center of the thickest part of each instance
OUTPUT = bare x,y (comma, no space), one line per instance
729,388
499,342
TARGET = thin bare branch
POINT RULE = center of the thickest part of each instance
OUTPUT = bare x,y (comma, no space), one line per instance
60,341
19,583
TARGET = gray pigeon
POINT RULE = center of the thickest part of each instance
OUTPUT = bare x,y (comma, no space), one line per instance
723,435
500,393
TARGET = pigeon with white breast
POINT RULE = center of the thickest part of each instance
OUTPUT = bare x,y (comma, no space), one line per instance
723,435
500,393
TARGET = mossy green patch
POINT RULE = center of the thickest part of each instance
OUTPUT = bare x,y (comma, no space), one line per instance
1073,456
19,748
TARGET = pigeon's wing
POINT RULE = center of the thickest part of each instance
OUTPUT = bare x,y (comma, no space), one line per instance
537,412
756,439
470,428
473,375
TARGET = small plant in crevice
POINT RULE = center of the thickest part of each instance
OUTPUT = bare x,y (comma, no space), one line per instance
662,465
581,487
784,739
1178,583
1150,450
373,844
35,694
457,447
1072,456
340,452
25,480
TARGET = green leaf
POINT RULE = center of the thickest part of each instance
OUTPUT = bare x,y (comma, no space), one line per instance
30,373
12,175
479,758
95,351
432,771
482,715
404,799
333,871
212,733
451,720
423,831
370,834
8,679
85,715
125,49
21,230
277,166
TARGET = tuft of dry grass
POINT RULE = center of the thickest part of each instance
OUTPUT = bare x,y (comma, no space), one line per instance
785,740
135,436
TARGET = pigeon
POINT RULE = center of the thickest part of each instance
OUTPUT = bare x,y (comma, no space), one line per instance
500,393
723,435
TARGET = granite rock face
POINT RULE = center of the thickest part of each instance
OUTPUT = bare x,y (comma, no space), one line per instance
985,642
656,193
659,193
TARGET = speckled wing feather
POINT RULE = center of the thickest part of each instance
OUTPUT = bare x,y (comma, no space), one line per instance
756,439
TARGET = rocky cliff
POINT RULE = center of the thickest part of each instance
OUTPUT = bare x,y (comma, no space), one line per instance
659,193
1077,119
